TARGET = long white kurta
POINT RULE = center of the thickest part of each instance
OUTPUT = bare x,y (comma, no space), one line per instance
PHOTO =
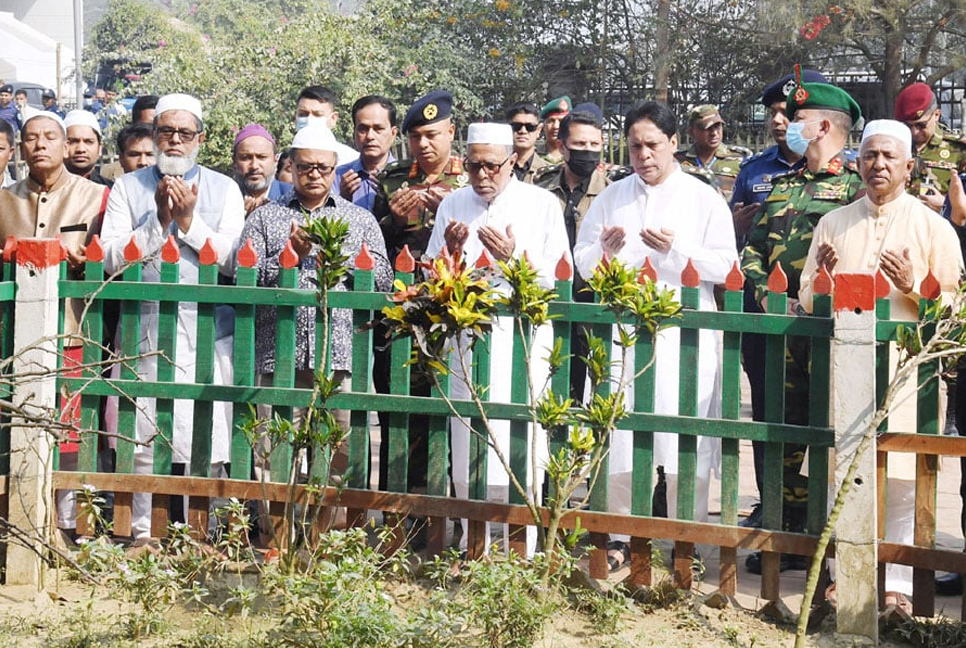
538,227
703,233
860,233
219,216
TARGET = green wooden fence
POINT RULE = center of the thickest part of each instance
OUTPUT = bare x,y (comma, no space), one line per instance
245,297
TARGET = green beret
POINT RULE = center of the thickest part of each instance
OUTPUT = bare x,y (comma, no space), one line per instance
824,96
559,106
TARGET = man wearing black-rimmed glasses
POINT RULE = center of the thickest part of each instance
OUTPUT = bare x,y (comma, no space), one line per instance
524,119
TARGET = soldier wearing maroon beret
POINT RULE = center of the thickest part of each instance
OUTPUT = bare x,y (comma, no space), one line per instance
939,151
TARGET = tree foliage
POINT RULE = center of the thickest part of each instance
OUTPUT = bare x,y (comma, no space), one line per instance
248,59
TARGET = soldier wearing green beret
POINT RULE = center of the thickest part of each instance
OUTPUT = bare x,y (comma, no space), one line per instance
939,151
552,114
821,117
707,157
410,190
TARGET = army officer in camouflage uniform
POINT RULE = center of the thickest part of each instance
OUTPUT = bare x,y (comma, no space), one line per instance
939,151
821,116
719,162
410,190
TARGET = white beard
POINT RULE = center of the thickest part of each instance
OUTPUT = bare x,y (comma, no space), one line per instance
175,165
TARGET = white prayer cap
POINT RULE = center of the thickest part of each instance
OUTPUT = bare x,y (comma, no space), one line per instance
178,102
82,118
315,137
49,115
490,133
892,128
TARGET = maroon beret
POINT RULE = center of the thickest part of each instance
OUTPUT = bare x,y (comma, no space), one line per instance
913,102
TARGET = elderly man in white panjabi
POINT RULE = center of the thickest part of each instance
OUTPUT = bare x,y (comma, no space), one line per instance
175,197
890,230
505,217
666,215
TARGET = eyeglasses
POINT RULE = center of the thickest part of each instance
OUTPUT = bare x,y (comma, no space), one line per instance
185,135
307,169
521,125
492,168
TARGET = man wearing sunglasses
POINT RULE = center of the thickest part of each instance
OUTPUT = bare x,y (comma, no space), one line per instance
178,198
506,218
524,119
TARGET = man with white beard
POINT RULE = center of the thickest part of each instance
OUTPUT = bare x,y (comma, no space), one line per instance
179,198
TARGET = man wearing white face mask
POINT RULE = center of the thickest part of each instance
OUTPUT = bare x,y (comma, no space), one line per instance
317,104
821,116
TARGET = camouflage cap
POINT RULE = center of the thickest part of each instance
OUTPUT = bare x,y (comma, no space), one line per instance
704,116
559,107
428,109
914,102
820,95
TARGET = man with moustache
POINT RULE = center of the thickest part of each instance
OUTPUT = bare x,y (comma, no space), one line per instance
374,131
410,190
758,175
720,162
84,146
508,219
253,164
176,198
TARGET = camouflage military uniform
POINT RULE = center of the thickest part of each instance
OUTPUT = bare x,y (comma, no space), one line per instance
942,155
406,173
724,166
783,234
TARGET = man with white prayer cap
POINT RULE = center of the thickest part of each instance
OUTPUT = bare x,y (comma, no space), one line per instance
175,197
506,218
84,146
890,230
270,228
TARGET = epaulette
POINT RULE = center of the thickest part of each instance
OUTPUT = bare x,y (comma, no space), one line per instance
396,168
953,135
787,173
545,171
702,173
751,158
619,173
740,150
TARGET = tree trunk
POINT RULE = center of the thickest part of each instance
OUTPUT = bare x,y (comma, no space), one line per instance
662,58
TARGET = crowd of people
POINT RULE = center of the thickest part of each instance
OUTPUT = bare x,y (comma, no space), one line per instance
532,182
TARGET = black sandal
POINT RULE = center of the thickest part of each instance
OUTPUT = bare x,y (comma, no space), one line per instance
625,555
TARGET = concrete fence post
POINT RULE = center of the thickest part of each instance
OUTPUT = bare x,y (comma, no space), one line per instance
854,403
35,395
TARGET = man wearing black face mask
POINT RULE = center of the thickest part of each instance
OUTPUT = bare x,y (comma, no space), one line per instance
575,184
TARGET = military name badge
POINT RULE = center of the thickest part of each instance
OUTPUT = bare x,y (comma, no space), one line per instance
430,111
761,187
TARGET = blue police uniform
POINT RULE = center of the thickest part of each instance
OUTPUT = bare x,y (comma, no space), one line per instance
757,174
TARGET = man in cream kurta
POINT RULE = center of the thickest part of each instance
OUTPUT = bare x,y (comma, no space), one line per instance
505,217
666,215
891,230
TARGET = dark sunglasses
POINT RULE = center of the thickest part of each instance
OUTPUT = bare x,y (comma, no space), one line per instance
519,125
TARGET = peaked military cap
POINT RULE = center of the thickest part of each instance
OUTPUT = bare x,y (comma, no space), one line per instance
824,96
428,109
559,106
778,91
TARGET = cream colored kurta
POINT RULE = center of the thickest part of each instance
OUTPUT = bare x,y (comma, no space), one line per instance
860,233
70,210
